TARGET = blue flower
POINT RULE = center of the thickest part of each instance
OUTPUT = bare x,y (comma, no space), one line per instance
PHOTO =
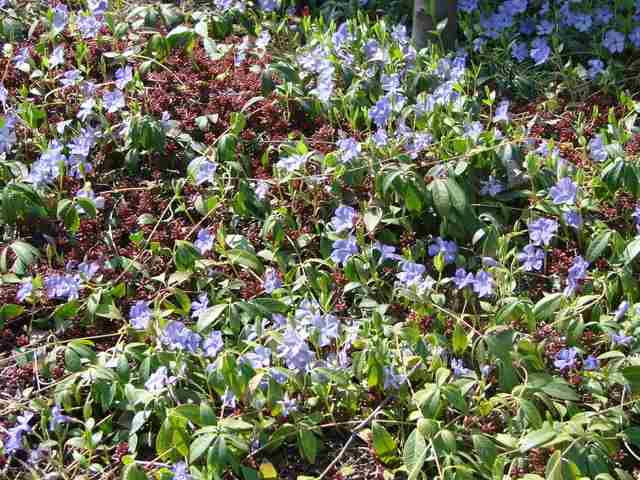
573,219
591,363
540,50
468,6
596,67
541,231
564,191
295,351
123,77
566,359
502,112
15,434
613,41
621,339
621,311
344,218
180,471
491,187
381,111
259,358
88,269
213,344
411,273
577,272
386,251
380,138
448,248
392,379
63,286
483,283
473,130
60,15
288,405
596,147
26,287
343,250
292,162
140,315
269,5
532,258
458,368
57,57
57,418
178,337
634,37
271,281
349,149
114,100
327,328
463,279
199,306
204,241
519,51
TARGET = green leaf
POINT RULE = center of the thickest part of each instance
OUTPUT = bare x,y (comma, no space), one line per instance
308,445
133,472
598,245
536,439
383,443
460,340
632,375
440,194
631,252
180,35
486,449
246,259
210,315
200,445
26,254
547,306
414,454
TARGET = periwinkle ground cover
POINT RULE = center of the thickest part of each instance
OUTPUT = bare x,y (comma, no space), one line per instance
234,233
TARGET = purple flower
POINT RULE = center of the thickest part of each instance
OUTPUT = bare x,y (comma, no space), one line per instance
603,15
542,230
591,363
519,51
392,379
349,149
463,279
483,283
473,130
114,100
88,269
566,359
596,147
344,218
634,37
411,273
199,306
620,339
259,358
180,471
204,241
213,344
86,109
178,337
98,7
491,186
26,287
71,77
613,41
448,248
386,251
573,219
532,258
381,111
502,112
60,15
545,27
123,77
271,281
268,5
292,162
261,189
468,6
88,25
288,405
15,434
228,399
63,286
636,217
458,368
57,57
577,272
564,191
205,170
540,50
140,315
57,418
327,328
21,59
380,138
596,67
295,351
343,250
621,311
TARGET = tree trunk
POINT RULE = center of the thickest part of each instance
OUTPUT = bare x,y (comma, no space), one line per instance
425,22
